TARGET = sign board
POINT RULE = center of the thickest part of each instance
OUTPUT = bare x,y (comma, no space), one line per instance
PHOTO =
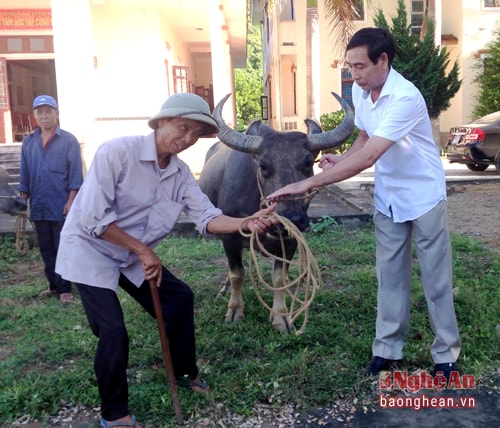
25,19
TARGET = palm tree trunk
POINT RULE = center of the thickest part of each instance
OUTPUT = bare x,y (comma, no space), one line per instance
312,60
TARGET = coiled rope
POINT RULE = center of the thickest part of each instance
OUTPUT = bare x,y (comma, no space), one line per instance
308,281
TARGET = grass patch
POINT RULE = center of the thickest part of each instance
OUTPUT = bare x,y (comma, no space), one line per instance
47,349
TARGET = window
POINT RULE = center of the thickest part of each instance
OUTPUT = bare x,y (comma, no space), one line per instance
264,108
181,80
417,16
37,44
288,12
14,45
26,44
346,83
491,4
360,9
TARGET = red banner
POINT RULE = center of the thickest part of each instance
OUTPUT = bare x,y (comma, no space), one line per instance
25,19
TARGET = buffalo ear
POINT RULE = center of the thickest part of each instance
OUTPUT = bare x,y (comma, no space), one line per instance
253,127
313,127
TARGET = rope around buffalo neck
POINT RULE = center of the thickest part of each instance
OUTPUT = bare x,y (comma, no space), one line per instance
301,290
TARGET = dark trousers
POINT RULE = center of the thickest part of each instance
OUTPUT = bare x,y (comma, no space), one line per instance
105,317
48,233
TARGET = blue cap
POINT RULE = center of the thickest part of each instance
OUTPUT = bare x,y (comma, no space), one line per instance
44,100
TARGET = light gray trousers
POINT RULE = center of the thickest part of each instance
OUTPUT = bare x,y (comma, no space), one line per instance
393,265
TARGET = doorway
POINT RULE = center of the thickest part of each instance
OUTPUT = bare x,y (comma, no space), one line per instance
24,79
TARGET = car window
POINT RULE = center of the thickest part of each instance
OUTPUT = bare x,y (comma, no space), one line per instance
490,118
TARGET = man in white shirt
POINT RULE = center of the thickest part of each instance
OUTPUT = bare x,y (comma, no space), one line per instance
410,199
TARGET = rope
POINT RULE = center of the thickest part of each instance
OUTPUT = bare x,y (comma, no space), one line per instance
22,246
303,288
300,290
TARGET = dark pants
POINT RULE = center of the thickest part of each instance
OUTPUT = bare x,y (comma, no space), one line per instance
48,233
105,317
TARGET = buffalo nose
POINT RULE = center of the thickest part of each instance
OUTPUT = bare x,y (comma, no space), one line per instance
298,218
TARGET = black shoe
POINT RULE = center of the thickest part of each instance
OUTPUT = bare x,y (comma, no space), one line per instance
378,364
445,369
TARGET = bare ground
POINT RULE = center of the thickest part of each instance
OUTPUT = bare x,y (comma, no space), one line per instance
474,211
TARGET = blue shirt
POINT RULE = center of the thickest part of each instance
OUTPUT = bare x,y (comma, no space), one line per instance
49,173
125,186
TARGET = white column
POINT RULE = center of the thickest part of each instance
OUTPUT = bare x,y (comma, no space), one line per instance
221,61
74,63
438,19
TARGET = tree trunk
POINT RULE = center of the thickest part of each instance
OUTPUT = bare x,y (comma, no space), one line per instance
312,60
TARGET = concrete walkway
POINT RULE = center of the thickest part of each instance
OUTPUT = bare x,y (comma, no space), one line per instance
347,202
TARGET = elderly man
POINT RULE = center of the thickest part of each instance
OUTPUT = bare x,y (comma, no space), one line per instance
50,176
134,192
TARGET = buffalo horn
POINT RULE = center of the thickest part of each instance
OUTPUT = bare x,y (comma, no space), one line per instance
232,138
335,137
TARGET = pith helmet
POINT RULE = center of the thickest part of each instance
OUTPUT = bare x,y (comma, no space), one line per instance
190,106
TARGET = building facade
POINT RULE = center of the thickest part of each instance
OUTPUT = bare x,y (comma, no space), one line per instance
112,63
303,63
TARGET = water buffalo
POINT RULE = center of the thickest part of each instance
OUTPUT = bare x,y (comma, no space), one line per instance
239,167
10,202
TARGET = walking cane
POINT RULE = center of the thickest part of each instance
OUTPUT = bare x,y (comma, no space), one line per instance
167,359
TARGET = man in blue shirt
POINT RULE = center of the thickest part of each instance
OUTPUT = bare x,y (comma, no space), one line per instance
50,176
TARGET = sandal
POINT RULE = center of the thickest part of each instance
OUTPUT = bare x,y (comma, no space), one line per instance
66,297
200,386
131,423
47,293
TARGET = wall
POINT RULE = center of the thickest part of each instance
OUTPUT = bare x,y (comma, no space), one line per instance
477,31
130,71
129,77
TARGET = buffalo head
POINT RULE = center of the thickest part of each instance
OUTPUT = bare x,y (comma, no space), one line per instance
285,157
10,203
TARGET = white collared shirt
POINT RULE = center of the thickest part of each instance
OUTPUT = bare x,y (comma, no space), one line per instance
125,185
409,177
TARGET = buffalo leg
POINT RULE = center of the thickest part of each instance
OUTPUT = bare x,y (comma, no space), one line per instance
236,305
236,276
279,316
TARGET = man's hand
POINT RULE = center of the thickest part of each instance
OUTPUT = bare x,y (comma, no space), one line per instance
329,160
66,208
260,222
151,266
291,189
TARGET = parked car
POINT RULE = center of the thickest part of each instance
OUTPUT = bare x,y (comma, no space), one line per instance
477,145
